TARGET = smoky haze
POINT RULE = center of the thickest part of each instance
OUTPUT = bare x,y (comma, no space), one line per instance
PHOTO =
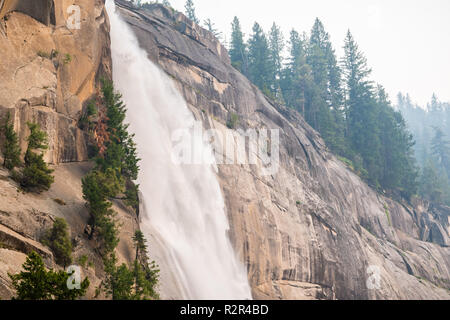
406,42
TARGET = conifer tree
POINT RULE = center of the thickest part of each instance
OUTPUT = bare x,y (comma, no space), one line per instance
58,239
97,187
36,175
276,47
433,184
139,243
11,150
211,28
259,59
36,283
190,11
238,50
440,149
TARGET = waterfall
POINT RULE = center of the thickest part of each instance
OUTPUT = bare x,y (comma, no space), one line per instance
183,204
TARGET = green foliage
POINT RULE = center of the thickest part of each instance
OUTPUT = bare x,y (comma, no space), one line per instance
434,184
132,196
238,49
233,121
37,138
119,279
211,28
121,153
36,283
97,188
58,239
136,283
259,58
276,47
440,149
117,168
139,243
82,261
86,121
190,11
388,214
10,149
67,58
354,117
36,176
146,280
347,162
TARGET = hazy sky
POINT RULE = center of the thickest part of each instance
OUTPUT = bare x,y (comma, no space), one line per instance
406,42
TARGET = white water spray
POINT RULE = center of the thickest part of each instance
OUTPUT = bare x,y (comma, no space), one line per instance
183,204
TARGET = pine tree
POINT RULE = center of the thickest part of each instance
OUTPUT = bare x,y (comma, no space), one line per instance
136,283
259,59
276,47
361,110
11,150
119,279
433,185
97,188
36,175
120,148
440,149
190,11
36,283
317,55
398,166
139,243
296,77
211,28
238,50
58,239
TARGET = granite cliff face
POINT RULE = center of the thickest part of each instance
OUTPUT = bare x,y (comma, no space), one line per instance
48,72
313,230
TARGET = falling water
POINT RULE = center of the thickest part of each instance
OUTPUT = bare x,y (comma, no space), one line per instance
184,208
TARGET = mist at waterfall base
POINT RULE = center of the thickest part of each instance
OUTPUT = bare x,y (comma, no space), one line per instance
184,206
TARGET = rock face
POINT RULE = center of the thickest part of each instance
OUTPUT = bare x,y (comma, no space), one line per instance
24,217
314,229
48,71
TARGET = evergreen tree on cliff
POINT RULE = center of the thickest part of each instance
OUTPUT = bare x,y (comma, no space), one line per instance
10,148
259,59
238,50
190,11
296,77
440,149
36,283
361,110
276,47
36,175
211,28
